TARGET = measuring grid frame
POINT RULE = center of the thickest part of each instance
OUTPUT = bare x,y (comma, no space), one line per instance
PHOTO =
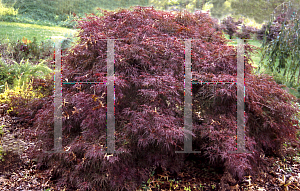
187,96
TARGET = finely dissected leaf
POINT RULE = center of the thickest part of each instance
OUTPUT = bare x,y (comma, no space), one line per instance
149,101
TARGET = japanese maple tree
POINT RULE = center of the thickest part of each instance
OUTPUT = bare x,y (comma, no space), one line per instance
149,65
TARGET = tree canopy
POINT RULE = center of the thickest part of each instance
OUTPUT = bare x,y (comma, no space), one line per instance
149,99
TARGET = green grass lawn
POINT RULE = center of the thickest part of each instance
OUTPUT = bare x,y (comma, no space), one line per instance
16,31
254,56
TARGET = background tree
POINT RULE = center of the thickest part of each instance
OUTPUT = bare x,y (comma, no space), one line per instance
189,5
230,25
220,8
259,10
202,3
61,10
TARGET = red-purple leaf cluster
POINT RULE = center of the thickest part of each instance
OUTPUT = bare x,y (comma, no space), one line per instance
25,109
149,100
246,32
271,33
230,25
272,30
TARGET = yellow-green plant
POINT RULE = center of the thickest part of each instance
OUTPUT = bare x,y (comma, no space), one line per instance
7,10
1,131
24,70
24,93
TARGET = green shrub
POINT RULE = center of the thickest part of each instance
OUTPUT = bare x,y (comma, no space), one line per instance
59,12
51,13
9,18
19,96
36,9
69,21
24,71
25,49
7,13
24,101
7,10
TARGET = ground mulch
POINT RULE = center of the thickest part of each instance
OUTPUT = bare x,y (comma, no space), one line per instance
19,172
